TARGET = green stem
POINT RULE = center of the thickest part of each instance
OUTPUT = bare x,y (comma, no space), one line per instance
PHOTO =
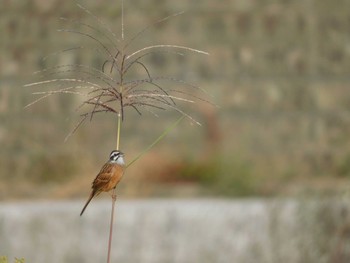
166,131
118,130
113,197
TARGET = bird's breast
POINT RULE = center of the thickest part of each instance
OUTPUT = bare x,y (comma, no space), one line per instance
116,176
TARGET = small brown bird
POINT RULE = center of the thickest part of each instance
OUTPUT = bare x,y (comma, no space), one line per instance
109,176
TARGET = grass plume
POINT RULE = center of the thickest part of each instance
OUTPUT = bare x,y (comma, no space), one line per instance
108,88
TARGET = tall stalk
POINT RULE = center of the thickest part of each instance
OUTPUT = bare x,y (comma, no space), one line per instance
108,88
120,116
114,197
118,131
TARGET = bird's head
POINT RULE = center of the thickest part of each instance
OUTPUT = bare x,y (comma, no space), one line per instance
117,157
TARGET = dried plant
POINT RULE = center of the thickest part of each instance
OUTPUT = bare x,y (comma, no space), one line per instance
109,87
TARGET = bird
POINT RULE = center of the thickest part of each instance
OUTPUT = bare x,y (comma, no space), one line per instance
109,176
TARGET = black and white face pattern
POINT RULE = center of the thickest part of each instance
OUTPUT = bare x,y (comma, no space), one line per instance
117,157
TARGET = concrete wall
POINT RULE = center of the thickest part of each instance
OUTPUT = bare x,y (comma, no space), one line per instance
186,231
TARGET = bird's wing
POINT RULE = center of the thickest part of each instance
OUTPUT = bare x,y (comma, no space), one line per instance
103,177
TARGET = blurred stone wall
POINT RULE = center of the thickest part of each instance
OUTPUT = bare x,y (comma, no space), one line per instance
279,70
186,231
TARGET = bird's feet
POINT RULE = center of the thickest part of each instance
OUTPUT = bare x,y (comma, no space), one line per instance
114,196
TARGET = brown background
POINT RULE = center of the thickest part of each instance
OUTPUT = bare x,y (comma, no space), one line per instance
279,71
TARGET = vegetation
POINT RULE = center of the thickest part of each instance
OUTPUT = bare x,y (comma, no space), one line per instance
4,259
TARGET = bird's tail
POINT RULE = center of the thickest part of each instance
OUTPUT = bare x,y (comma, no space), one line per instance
88,201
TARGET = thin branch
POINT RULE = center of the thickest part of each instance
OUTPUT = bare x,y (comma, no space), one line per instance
145,68
149,53
62,51
75,21
93,85
167,46
153,84
185,114
75,67
76,127
104,25
149,26
143,104
160,95
166,131
100,104
95,107
89,36
114,63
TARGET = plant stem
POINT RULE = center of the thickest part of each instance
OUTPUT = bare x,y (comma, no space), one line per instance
118,130
166,131
114,198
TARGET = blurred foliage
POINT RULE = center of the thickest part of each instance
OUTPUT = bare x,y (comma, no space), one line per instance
343,168
43,168
3,259
221,177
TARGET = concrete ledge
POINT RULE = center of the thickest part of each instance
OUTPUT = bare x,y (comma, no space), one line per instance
167,230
